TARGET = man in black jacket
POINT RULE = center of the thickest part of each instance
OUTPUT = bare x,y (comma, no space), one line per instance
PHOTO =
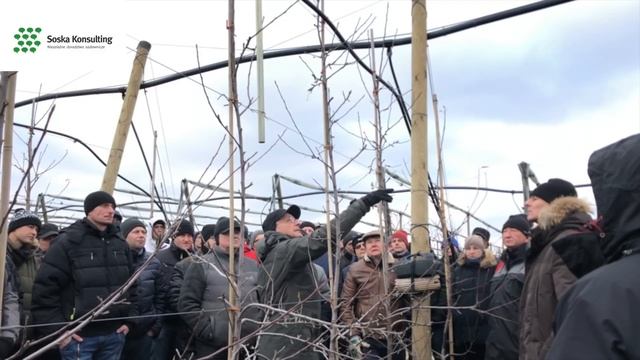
88,262
181,248
599,318
506,287
150,297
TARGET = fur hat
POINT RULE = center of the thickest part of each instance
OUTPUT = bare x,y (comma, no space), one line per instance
96,199
402,235
270,221
518,222
128,225
553,189
474,240
22,218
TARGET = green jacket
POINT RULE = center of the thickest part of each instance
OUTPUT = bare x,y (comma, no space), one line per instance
288,282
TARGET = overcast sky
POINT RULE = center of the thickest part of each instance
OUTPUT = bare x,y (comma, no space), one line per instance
547,88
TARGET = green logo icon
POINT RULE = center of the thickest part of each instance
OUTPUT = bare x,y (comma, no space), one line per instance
27,40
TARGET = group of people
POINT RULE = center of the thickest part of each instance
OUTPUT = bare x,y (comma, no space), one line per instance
562,288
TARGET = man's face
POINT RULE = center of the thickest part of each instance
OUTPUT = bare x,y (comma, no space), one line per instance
26,234
397,246
289,225
373,246
360,250
349,248
307,230
184,241
45,243
533,205
513,238
137,237
258,238
102,214
158,231
225,240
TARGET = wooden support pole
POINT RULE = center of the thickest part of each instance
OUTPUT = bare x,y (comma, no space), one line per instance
233,307
153,174
126,113
8,85
187,197
43,205
260,70
421,317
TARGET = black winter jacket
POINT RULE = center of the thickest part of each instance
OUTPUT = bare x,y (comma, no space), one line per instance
150,296
471,288
82,268
504,306
168,258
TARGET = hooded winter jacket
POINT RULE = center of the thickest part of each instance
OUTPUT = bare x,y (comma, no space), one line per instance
560,253
288,282
205,293
599,318
83,267
504,306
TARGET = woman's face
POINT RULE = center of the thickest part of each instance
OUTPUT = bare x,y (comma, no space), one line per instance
473,252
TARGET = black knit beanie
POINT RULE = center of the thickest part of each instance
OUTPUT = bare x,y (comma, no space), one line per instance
185,227
96,199
208,231
518,222
553,189
24,218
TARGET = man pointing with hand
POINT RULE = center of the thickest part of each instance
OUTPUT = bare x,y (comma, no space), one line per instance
288,282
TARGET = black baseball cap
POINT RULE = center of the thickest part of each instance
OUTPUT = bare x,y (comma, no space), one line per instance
223,226
269,223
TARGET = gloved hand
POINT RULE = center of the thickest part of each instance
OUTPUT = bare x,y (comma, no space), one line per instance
355,347
376,196
6,347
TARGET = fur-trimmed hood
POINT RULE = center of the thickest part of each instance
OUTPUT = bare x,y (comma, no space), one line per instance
488,259
560,209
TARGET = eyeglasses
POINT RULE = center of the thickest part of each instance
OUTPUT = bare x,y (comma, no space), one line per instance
288,218
360,246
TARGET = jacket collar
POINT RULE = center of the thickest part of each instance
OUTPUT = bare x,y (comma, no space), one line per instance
376,261
561,209
86,226
180,254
